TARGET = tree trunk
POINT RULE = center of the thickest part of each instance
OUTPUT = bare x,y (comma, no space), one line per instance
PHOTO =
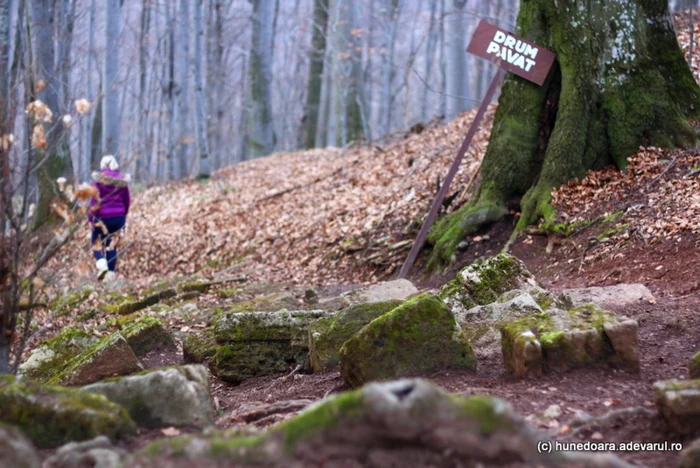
141,158
183,54
110,104
457,77
86,121
56,156
620,82
316,62
429,58
201,114
261,134
391,15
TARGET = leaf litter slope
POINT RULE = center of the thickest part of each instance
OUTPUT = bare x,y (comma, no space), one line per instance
332,216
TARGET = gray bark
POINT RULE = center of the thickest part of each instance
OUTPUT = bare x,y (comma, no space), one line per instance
183,55
261,138
110,106
429,57
391,14
457,77
316,71
200,120
143,76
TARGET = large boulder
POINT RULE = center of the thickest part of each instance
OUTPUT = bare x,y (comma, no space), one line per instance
690,457
251,344
147,334
109,357
679,403
96,453
52,416
16,450
397,290
327,335
617,296
421,335
585,336
402,423
173,396
51,355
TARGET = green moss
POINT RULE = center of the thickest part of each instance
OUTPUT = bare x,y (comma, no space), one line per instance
52,416
57,351
486,280
694,369
483,408
327,335
68,303
238,361
199,347
146,334
126,305
228,293
420,335
550,339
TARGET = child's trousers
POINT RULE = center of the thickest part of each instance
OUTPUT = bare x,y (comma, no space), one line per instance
105,239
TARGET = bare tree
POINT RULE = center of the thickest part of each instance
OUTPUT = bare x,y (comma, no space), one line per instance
200,116
183,115
110,106
261,137
390,19
316,70
457,77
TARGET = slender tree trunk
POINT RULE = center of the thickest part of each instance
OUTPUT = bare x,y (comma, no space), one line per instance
110,105
5,199
56,155
216,79
612,90
391,15
429,57
324,110
457,77
183,55
87,119
141,158
261,135
316,70
202,143
443,61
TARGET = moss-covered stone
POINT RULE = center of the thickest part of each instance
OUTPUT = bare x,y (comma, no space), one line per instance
261,343
421,335
694,368
486,280
110,356
66,304
446,430
197,348
147,334
327,335
127,304
585,336
679,403
172,396
51,355
51,416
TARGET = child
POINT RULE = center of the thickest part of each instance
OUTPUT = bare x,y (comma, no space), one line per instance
107,215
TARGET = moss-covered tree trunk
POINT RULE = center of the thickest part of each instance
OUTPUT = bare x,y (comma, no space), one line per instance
620,81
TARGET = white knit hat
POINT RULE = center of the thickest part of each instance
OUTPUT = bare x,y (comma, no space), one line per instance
109,161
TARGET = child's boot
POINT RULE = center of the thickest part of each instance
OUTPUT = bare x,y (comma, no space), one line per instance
102,268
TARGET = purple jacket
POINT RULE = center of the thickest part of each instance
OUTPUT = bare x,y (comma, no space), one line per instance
114,195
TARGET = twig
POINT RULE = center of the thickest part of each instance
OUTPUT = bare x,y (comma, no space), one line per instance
465,192
693,173
665,171
297,187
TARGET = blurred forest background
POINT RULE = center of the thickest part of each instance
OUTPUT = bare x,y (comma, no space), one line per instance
179,88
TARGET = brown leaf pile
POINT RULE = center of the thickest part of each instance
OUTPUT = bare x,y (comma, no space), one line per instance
322,216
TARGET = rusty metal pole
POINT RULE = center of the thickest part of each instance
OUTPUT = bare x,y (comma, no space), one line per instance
418,244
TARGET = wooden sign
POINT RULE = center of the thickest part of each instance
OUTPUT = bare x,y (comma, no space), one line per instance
513,53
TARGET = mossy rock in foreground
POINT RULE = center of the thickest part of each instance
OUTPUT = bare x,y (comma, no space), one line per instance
405,423
52,416
327,335
443,427
51,355
679,403
109,357
421,335
147,334
585,336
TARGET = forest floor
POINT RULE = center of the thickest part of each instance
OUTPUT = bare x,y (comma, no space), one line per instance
347,217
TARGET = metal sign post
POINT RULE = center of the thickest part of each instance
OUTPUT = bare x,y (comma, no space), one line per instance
510,53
